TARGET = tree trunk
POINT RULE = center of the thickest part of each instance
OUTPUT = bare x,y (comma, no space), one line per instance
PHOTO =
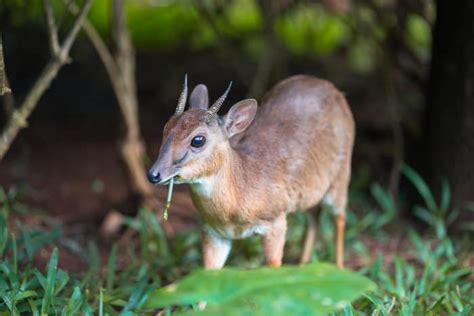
449,119
132,147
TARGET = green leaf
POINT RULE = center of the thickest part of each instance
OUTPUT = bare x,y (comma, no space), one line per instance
24,294
75,303
111,268
421,186
436,303
41,279
378,303
376,267
139,292
50,280
156,228
399,265
27,240
383,198
425,215
466,310
297,290
418,35
33,307
15,253
62,278
34,240
11,274
6,300
362,55
445,196
309,30
101,302
3,234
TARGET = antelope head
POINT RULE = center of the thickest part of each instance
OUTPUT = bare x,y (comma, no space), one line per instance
196,142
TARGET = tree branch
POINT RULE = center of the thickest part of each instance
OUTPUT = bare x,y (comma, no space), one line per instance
18,119
102,50
121,71
8,98
71,37
3,78
52,29
125,60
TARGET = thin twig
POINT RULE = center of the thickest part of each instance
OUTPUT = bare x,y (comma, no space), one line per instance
52,29
102,50
8,98
66,46
18,119
125,59
3,78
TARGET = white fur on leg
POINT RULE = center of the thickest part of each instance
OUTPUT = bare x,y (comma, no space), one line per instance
215,251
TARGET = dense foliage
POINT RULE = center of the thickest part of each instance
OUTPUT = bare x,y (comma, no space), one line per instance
308,30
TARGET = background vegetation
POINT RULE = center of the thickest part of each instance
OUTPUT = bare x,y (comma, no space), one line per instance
78,231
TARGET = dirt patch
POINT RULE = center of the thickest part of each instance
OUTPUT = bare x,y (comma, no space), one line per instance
79,178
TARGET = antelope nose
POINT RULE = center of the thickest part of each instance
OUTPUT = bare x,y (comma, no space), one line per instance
153,176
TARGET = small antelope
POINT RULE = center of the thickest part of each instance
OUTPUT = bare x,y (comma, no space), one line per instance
251,167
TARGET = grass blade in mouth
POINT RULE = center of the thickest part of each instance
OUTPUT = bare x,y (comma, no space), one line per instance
168,199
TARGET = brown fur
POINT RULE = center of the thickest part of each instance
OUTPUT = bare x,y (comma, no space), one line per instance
296,152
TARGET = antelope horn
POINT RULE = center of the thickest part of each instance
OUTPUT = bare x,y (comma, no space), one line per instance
217,105
183,97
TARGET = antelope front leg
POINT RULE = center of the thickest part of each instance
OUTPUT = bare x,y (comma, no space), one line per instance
215,250
274,241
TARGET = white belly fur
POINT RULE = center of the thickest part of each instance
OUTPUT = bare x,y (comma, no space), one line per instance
232,231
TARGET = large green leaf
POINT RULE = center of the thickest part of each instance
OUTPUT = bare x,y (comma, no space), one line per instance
311,289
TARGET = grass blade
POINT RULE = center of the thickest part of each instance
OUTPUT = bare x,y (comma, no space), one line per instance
3,234
466,310
421,186
74,304
33,307
50,280
15,254
111,268
445,196
101,302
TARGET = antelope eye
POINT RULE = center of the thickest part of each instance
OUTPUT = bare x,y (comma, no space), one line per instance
198,141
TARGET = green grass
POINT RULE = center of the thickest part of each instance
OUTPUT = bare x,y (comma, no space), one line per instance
428,274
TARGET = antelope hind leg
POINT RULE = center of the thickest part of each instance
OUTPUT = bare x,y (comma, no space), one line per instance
310,234
274,241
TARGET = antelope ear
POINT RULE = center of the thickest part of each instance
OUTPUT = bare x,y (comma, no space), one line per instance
240,116
199,98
